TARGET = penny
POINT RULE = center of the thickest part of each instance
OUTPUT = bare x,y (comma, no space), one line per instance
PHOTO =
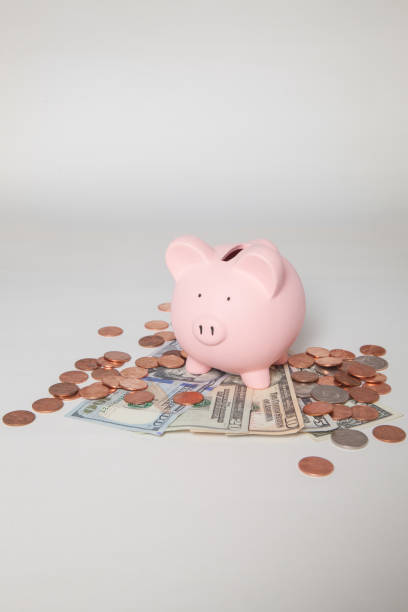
99,373
346,365
130,383
341,412
345,379
47,404
118,356
183,354
389,433
72,397
88,363
135,371
304,376
317,408
301,360
327,393
17,418
151,341
105,364
171,361
372,349
156,324
188,398
376,379
349,438
315,466
73,376
63,389
139,397
147,362
380,388
378,363
303,389
364,413
367,396
95,391
110,331
165,306
166,335
326,380
111,379
347,355
172,352
360,370
329,362
317,351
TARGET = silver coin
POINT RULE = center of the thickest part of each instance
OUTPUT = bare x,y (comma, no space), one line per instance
330,393
349,438
303,389
378,363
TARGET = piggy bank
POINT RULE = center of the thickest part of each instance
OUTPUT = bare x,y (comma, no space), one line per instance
237,307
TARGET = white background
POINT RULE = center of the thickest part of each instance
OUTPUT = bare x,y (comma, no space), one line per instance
123,125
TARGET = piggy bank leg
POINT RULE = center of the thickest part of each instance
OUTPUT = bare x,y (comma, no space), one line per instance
282,359
195,367
257,379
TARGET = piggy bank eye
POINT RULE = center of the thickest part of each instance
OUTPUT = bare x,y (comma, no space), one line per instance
228,298
199,295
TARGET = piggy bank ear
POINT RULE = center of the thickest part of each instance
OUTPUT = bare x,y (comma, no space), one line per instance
264,264
185,252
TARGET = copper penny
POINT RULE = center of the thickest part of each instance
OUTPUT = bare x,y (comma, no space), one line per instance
106,364
380,388
364,413
172,352
166,335
372,349
151,341
63,389
17,418
188,398
318,408
147,362
88,363
304,376
48,404
345,355
72,397
73,376
326,380
389,433
183,354
367,396
171,361
165,306
139,397
135,371
317,351
315,466
341,412
328,362
156,324
118,356
95,391
345,379
376,379
360,370
130,383
301,360
99,373
111,379
110,331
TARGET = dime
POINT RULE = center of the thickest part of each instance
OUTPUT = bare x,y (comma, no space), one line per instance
165,306
360,370
88,363
156,325
341,412
151,341
99,373
139,397
326,380
166,335
317,408
304,376
147,362
372,349
345,379
118,356
349,438
367,396
389,433
345,355
301,360
135,371
315,466
378,363
327,393
47,404
106,364
317,351
364,413
376,379
188,398
112,380
95,391
171,361
380,388
73,376
130,383
110,330
17,418
63,390
303,389
328,362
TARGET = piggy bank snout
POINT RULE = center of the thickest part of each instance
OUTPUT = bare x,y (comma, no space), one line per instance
209,330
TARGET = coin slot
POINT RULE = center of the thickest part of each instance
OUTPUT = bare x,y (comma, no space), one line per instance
232,252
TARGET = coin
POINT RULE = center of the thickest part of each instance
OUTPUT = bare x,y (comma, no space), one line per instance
147,362
317,351
156,325
118,356
165,306
73,376
183,354
130,383
372,349
389,433
328,362
325,371
317,408
17,418
327,393
171,361
364,395
188,398
172,352
95,391
63,390
151,341
72,397
378,363
166,335
88,363
341,412
135,371
47,404
99,373
349,438
106,364
345,355
139,397
304,376
110,330
303,389
301,360
315,466
376,379
326,380
111,379
360,370
364,413
345,379
380,388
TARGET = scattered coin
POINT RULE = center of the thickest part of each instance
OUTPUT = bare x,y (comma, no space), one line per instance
17,418
317,408
372,349
364,413
329,362
360,370
341,412
130,383
147,362
304,376
376,379
111,379
106,364
345,379
139,397
325,371
95,391
188,398
172,352
151,341
301,360
48,404
389,433
99,373
166,335
110,330
156,325
88,363
315,466
349,438
303,389
327,393
380,388
72,397
326,380
165,306
63,390
378,363
183,354
317,351
171,361
344,355
73,376
136,372
367,396
118,356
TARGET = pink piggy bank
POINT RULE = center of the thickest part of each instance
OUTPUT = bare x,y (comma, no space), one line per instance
237,308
